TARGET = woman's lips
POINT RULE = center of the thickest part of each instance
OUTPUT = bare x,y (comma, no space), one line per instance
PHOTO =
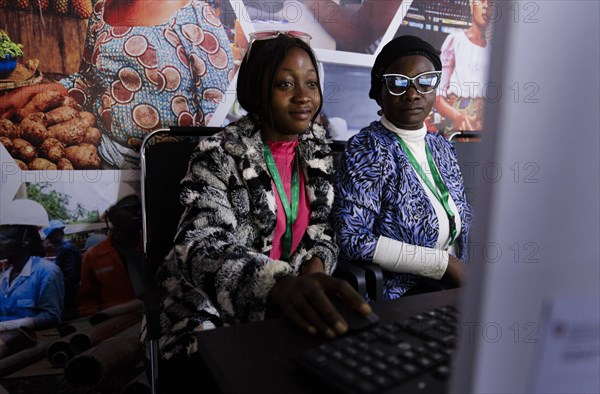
301,114
412,110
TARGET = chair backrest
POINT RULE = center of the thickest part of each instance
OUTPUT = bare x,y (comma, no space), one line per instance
467,146
337,148
165,157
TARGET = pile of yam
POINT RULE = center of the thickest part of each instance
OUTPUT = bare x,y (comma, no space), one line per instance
51,132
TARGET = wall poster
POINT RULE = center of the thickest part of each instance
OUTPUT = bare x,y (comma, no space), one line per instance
97,76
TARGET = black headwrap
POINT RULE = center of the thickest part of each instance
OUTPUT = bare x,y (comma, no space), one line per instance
399,47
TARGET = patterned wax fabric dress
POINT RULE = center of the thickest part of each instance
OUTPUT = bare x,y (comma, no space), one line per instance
138,79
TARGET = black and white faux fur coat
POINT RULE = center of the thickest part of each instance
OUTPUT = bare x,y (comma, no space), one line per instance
219,272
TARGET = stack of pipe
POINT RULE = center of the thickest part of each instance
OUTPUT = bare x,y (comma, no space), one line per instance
117,310
21,350
15,340
16,361
104,324
84,323
94,366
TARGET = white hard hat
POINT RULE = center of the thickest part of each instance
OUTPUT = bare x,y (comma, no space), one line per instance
24,212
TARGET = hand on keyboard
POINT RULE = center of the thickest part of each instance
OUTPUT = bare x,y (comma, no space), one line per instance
407,356
356,321
305,300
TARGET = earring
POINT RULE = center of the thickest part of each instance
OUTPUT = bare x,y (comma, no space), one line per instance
379,112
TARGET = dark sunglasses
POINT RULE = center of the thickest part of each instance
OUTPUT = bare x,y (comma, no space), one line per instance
398,84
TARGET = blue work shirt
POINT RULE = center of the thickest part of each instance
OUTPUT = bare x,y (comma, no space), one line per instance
37,292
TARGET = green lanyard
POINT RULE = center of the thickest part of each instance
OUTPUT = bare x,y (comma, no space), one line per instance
291,210
443,198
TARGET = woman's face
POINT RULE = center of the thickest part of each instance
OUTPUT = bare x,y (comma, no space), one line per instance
295,97
409,110
480,12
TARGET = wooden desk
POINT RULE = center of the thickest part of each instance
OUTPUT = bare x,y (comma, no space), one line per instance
255,358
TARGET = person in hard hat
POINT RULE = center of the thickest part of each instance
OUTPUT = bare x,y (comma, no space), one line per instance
31,288
68,259
107,271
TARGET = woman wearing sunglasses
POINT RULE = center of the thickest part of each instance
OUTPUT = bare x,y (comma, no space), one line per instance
255,234
400,200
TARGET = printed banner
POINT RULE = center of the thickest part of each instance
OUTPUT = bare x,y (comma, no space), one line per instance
95,78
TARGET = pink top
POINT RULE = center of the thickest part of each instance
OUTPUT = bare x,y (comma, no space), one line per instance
284,153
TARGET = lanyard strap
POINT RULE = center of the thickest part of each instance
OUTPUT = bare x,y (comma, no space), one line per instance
291,209
440,192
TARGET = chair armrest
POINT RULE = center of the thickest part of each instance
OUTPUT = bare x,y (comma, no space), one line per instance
374,277
352,274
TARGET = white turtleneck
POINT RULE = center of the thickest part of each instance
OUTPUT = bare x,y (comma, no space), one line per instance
398,256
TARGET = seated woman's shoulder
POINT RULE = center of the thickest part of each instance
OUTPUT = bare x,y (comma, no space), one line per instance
374,133
439,139
319,132
243,127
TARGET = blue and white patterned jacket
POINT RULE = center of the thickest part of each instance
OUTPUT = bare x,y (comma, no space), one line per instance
379,193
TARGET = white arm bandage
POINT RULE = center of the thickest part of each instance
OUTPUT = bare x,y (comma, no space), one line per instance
397,256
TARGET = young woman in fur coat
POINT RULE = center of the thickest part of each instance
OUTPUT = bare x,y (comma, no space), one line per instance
255,236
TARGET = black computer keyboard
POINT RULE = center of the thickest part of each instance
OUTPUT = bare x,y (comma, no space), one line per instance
408,356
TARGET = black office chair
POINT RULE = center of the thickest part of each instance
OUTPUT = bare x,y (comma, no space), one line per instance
164,161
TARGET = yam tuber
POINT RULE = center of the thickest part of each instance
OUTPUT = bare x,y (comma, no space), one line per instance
21,165
64,164
52,149
8,129
8,144
69,133
88,119
40,164
42,102
32,128
92,136
71,102
23,150
84,156
60,115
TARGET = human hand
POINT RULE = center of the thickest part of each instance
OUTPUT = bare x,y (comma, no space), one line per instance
305,300
18,98
312,266
13,101
455,272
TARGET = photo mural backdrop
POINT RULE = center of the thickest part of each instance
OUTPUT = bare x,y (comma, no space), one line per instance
93,82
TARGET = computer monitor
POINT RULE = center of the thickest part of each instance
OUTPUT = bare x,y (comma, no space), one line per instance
531,312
